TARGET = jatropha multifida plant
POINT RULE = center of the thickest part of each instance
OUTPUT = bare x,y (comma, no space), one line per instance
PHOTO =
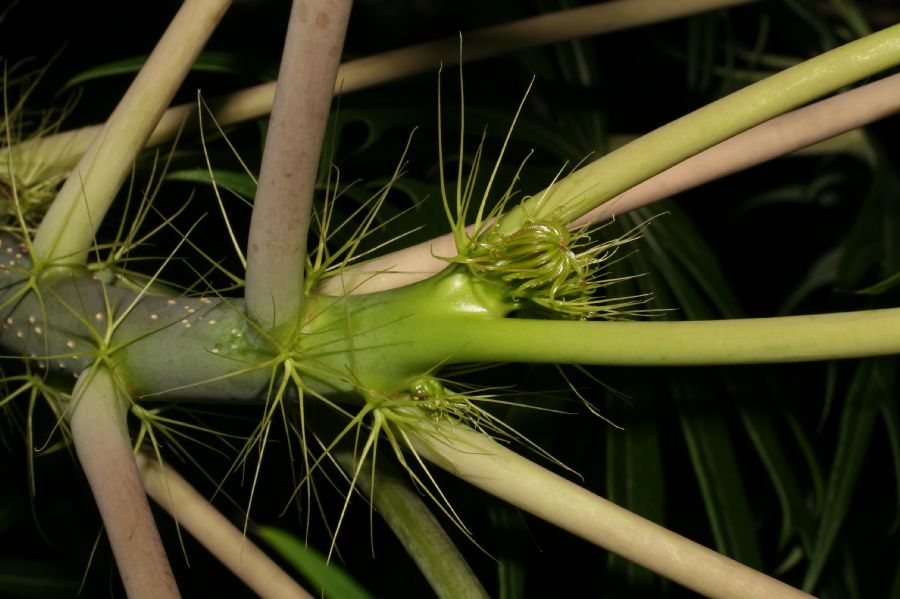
353,352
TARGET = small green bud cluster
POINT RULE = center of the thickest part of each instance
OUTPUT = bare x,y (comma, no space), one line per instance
30,202
548,267
30,171
439,403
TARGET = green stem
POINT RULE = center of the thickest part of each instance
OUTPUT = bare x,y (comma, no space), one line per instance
276,250
418,530
382,341
67,231
711,342
100,436
479,460
624,168
215,532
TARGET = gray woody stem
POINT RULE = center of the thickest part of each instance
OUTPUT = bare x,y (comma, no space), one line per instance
276,252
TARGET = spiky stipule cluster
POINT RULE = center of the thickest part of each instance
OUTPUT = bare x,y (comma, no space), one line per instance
559,272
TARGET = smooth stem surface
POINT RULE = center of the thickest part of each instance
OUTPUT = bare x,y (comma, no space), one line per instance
479,460
215,532
624,168
527,33
776,137
418,530
101,440
62,151
276,251
688,343
68,229
779,136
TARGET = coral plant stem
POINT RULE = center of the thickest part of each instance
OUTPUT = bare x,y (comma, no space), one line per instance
97,420
61,152
215,532
781,135
448,319
68,229
276,252
650,154
479,460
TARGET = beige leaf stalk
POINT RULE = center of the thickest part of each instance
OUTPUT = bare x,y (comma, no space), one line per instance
276,251
60,152
68,229
100,436
215,532
481,461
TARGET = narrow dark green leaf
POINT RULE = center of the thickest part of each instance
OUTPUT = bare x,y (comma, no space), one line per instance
820,29
634,479
110,69
375,123
849,575
718,473
237,181
33,578
872,381
702,47
326,579
895,585
891,417
511,538
207,62
817,191
881,286
532,131
801,438
871,250
676,242
853,17
796,518
822,273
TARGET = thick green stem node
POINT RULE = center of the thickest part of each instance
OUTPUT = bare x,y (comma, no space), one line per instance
380,342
